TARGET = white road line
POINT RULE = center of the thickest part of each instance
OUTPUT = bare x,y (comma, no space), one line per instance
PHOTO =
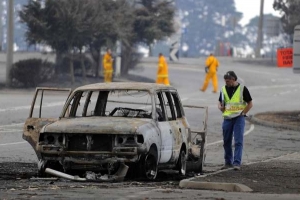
297,85
271,159
15,143
9,125
184,99
28,107
250,163
10,130
260,72
246,133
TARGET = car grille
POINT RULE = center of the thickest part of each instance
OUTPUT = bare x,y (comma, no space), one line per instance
82,142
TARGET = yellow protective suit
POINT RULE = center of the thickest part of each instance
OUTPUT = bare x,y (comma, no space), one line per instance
212,63
162,71
107,67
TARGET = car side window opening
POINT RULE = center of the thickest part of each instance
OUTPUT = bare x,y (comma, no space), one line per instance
160,109
169,106
177,104
78,105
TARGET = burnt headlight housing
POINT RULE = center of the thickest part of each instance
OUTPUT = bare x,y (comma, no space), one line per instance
51,139
129,139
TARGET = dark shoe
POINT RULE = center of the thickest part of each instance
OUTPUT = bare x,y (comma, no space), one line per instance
202,90
227,166
214,92
237,167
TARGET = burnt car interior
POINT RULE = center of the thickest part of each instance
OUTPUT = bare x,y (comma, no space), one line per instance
112,103
125,103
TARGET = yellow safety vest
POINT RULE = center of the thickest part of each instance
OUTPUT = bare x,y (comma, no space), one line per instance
235,105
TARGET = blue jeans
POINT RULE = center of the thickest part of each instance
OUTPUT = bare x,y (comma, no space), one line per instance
233,127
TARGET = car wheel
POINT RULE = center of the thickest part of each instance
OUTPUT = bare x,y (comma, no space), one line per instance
182,163
43,164
149,166
41,168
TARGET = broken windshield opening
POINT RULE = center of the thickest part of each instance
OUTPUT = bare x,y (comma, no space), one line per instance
112,103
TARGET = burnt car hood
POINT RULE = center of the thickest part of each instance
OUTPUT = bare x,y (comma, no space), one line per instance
96,125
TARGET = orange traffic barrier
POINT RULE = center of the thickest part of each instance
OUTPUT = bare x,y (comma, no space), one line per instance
285,57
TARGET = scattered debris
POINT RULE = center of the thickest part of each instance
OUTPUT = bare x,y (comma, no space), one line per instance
91,176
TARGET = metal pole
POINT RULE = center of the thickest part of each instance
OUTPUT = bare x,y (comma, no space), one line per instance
1,25
272,50
10,40
118,59
259,32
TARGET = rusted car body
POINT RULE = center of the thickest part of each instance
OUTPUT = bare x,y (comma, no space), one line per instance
101,126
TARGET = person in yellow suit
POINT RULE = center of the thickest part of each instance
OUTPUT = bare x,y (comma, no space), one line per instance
108,66
162,71
211,69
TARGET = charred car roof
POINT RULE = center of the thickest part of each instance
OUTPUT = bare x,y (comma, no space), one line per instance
124,86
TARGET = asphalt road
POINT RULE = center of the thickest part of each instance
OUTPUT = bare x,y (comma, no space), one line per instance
271,88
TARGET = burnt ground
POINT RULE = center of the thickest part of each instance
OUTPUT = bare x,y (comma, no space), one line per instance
280,176
283,119
277,176
19,176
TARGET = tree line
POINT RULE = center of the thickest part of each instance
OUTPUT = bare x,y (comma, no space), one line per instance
71,26
291,15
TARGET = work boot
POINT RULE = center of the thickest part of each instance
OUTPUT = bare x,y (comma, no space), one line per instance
227,166
236,167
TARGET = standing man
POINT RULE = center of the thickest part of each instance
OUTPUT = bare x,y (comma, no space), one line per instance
162,71
107,66
211,69
234,102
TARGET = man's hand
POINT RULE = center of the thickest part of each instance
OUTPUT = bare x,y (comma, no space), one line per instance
206,69
222,108
243,114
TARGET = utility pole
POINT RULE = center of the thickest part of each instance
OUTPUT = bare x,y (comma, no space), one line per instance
1,25
10,40
260,30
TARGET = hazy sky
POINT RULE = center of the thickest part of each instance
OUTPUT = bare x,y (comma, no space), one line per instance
251,8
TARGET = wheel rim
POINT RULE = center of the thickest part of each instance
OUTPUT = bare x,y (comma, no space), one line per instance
182,163
150,167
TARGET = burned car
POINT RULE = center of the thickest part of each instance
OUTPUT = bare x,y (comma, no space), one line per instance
103,126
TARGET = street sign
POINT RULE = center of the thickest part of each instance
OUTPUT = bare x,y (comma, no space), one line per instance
273,27
285,57
296,46
174,51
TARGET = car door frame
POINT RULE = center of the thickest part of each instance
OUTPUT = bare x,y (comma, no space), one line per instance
33,125
178,135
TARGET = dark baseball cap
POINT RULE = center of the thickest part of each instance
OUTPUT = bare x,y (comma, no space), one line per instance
230,75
